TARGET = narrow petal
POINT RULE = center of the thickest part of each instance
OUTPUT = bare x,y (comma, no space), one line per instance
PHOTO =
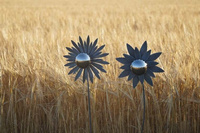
75,45
70,65
93,45
130,50
69,49
126,67
95,54
135,81
150,73
156,69
88,40
72,54
93,50
122,60
151,63
124,73
131,76
89,47
143,48
154,56
71,59
74,70
80,40
95,71
100,61
101,55
85,47
148,79
100,67
129,58
78,74
85,75
95,42
90,74
137,53
80,47
67,56
146,55
100,48
141,78
75,50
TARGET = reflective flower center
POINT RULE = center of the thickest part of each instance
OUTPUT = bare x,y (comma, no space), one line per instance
138,67
82,60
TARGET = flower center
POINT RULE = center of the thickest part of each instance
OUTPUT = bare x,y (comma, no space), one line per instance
138,67
82,60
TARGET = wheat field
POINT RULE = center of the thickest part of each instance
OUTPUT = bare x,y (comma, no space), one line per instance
38,96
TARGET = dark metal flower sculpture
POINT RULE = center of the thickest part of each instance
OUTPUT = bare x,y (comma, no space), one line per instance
85,57
140,65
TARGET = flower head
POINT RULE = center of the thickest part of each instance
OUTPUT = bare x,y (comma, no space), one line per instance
85,57
139,65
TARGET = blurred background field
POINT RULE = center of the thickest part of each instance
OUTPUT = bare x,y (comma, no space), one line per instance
37,95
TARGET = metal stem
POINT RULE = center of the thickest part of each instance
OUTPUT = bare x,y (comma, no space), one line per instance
144,108
89,106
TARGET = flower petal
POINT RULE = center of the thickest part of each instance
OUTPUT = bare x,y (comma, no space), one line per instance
72,54
95,54
154,56
100,67
137,53
126,67
80,47
100,48
151,63
143,48
146,55
71,64
71,59
75,45
141,78
89,47
80,40
130,50
156,69
129,58
93,45
74,70
100,61
78,74
124,73
148,79
101,55
122,60
85,75
135,81
150,73
93,50
90,74
131,76
95,71
88,40
85,47
67,56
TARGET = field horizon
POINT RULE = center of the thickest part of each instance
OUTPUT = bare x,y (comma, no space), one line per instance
38,96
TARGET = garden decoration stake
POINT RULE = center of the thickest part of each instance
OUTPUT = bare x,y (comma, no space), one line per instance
140,65
84,57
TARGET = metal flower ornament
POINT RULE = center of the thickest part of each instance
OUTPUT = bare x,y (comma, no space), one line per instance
84,57
140,65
